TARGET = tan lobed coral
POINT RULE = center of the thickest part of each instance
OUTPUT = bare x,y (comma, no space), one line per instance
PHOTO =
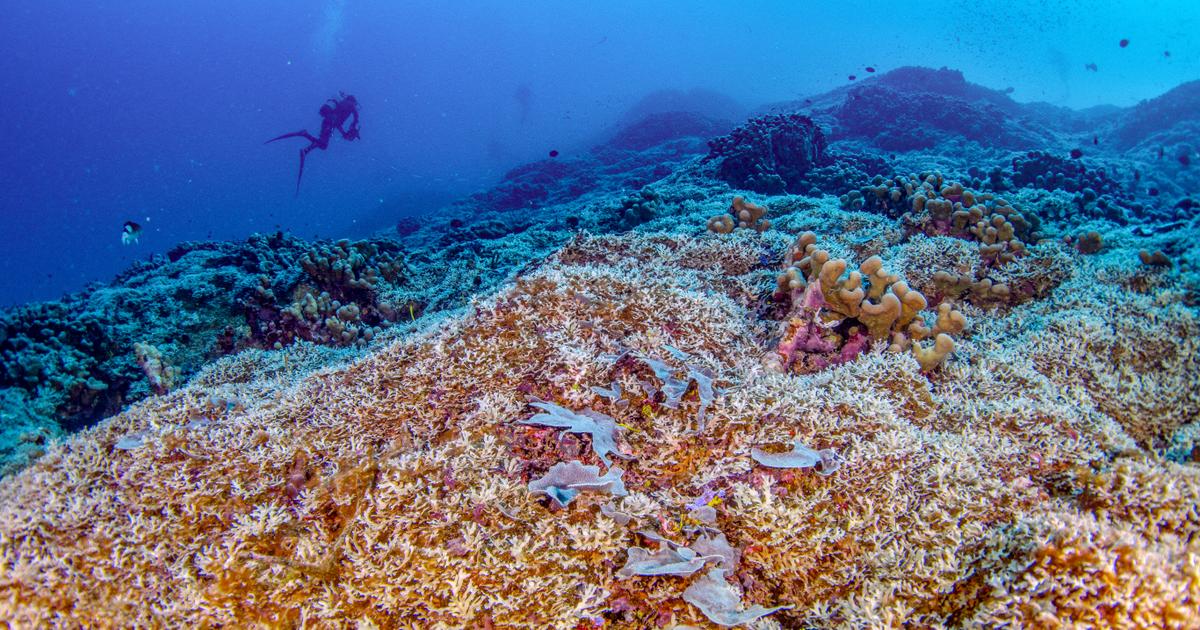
885,308
159,374
391,491
1003,273
742,214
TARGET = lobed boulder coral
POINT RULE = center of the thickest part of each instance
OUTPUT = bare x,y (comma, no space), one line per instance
1003,270
638,208
346,296
1096,193
1039,169
742,214
832,319
769,154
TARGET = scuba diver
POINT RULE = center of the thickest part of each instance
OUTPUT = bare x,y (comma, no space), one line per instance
334,114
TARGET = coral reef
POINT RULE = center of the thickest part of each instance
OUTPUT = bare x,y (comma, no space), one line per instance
903,120
769,154
396,486
832,319
87,356
564,403
1159,116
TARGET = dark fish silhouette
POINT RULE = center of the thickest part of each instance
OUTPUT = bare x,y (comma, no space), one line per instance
1076,154
1095,139
1009,90
1123,43
553,153
870,68
1092,67
852,77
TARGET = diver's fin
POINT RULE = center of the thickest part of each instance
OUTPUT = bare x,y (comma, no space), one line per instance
295,134
301,173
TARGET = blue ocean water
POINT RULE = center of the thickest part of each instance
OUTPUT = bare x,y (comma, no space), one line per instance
157,112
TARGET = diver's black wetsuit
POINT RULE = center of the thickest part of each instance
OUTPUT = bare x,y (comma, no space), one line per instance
334,114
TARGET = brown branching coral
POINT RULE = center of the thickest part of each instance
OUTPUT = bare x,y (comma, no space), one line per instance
1129,560
393,489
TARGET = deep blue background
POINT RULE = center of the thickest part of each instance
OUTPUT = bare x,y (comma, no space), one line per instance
157,111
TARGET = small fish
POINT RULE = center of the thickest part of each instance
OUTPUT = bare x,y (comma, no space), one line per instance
1166,53
1123,43
1160,153
1185,159
1076,154
1095,139
553,153
853,77
130,232
1091,67
1153,192
1009,90
870,68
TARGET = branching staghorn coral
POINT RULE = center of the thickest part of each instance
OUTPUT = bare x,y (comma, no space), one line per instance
961,504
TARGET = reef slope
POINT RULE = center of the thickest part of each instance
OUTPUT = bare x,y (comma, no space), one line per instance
1010,487
409,430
